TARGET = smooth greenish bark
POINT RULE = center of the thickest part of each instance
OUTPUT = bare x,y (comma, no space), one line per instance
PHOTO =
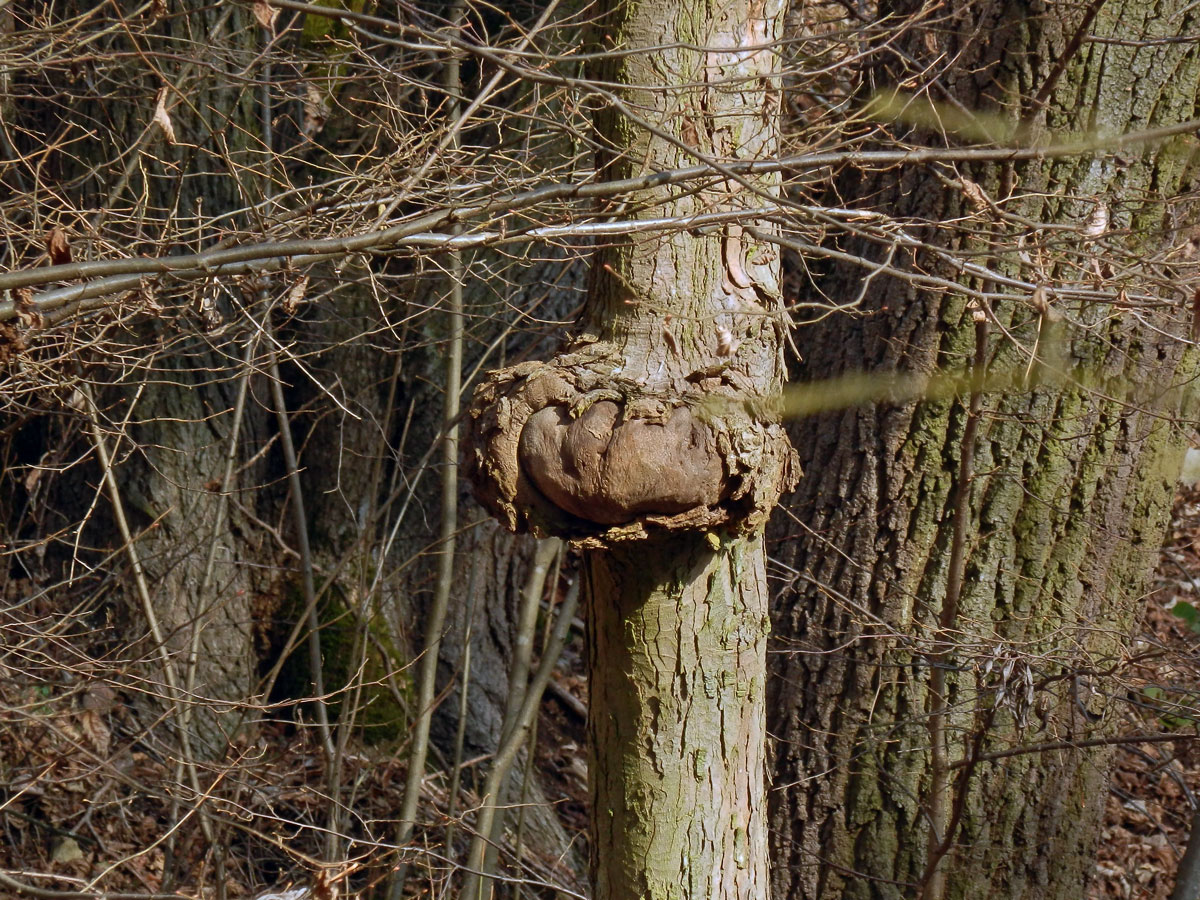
677,647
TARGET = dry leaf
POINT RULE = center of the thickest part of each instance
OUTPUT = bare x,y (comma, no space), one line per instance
100,697
158,9
1097,223
1039,300
162,118
91,723
27,313
316,110
265,14
32,477
11,344
58,247
295,296
325,886
148,297
975,195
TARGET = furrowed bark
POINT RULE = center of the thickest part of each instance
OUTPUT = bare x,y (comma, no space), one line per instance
1071,488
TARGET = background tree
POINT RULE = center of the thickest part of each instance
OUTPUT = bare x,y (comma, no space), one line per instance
962,571
154,131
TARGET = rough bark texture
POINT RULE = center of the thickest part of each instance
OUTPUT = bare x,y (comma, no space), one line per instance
660,415
169,482
1072,489
168,418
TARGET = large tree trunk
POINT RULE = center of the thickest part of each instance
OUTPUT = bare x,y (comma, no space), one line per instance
167,418
198,563
1062,504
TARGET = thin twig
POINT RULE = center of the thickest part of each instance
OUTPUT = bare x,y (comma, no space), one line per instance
119,275
449,513
300,520
940,836
483,851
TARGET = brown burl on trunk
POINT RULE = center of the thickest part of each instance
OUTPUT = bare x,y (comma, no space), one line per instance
669,493
564,449
661,416
654,441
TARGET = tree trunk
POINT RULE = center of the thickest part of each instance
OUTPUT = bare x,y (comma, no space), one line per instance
652,442
1062,507
197,561
677,649
168,416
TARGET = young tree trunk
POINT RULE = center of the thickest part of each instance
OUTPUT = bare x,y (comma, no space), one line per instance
1070,488
677,646
653,442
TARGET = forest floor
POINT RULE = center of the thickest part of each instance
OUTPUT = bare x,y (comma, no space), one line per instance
1155,786
86,783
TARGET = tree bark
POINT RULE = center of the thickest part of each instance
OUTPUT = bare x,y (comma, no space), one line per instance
168,414
1071,488
677,643
181,452
653,441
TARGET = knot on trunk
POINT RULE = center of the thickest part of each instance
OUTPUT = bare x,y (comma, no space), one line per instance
609,471
563,450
